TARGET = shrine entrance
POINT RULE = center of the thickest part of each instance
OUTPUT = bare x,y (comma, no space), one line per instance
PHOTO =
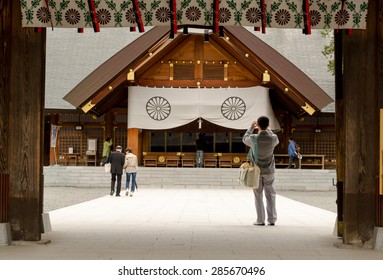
359,99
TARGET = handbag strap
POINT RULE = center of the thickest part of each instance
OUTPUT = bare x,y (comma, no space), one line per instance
255,155
253,152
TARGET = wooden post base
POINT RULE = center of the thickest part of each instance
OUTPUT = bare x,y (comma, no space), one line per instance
5,234
47,227
378,238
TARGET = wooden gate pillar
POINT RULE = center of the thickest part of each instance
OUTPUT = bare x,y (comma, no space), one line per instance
379,87
339,124
361,93
22,82
5,11
379,208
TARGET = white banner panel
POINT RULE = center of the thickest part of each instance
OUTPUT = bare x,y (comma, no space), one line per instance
165,108
54,132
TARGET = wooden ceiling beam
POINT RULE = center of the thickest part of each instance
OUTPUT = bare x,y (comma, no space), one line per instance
230,50
193,83
198,55
142,66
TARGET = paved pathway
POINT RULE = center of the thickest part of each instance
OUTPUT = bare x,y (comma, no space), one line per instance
182,224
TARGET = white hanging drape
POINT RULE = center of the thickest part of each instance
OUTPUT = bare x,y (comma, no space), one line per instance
166,108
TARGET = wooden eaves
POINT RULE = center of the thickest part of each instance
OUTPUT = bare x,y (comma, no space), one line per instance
104,88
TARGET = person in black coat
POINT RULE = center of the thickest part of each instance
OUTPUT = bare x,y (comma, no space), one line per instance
117,160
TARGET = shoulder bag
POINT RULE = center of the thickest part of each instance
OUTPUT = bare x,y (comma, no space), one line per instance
107,167
249,174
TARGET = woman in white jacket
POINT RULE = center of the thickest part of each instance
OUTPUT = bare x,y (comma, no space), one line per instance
130,168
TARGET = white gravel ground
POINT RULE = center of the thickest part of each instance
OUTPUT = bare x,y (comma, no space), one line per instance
60,197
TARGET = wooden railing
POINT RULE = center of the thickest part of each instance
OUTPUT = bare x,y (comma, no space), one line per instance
212,160
309,161
223,160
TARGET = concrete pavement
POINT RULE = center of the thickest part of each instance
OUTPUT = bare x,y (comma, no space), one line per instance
183,224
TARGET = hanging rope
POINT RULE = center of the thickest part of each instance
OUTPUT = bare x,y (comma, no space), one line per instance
137,13
93,15
306,17
263,15
50,18
349,31
216,16
173,18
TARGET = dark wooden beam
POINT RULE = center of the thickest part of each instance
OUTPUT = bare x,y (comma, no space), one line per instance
5,63
339,124
198,56
22,82
361,124
193,83
379,87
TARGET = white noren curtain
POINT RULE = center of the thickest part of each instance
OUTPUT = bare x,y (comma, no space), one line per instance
166,108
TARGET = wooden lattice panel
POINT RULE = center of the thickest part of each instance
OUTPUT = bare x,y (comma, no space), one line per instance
96,133
120,137
69,137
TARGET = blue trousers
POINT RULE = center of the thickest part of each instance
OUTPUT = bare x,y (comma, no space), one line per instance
133,186
199,158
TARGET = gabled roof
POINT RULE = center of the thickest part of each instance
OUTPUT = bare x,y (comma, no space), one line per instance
288,75
113,67
103,89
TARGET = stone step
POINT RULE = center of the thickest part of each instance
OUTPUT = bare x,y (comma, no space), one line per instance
165,177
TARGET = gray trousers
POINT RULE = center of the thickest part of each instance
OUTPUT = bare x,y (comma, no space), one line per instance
266,184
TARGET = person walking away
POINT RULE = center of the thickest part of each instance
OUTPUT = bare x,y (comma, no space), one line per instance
200,147
107,145
293,154
130,168
267,141
117,161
